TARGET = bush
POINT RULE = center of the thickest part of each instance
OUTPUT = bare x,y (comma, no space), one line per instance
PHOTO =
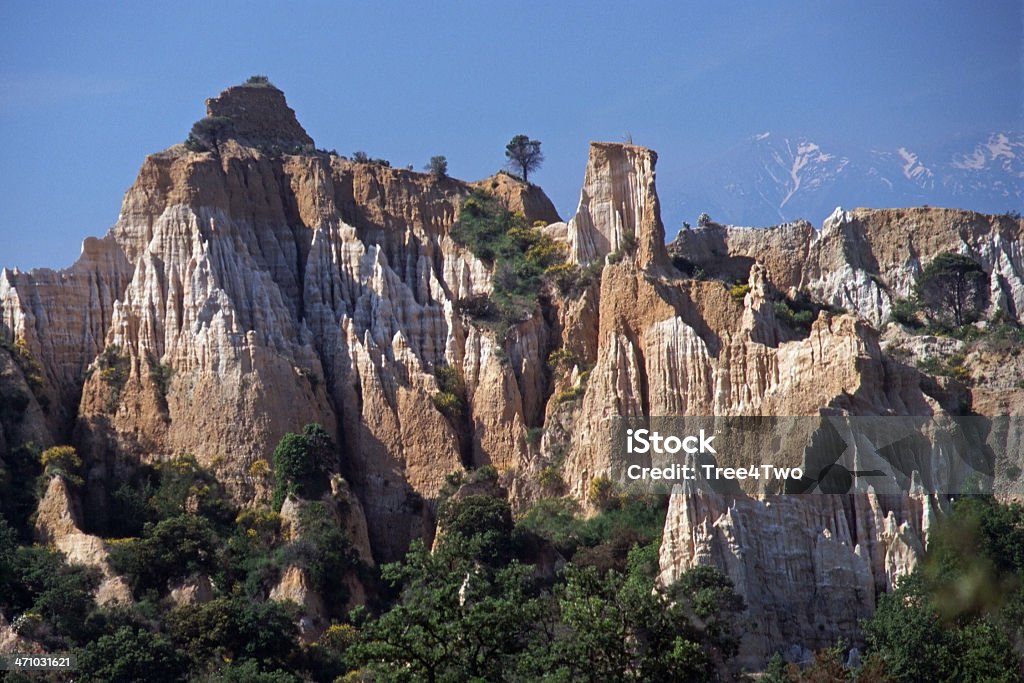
521,256
800,312
300,463
38,580
324,552
259,81
209,132
738,291
114,369
171,550
480,525
449,399
570,394
562,359
184,487
161,375
30,369
130,654
438,166
952,366
906,312
63,461
601,493
550,480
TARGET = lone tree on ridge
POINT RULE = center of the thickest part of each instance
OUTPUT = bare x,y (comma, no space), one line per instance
524,154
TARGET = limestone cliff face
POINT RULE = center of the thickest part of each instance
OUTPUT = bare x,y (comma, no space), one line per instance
249,290
862,259
618,206
242,294
809,567
62,318
259,116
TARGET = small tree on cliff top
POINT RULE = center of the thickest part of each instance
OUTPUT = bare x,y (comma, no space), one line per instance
953,288
524,154
438,166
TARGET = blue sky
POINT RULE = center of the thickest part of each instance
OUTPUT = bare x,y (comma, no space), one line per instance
86,93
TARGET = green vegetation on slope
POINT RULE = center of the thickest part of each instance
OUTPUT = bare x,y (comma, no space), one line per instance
525,261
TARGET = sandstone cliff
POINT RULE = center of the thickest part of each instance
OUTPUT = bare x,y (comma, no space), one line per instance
261,285
861,260
244,293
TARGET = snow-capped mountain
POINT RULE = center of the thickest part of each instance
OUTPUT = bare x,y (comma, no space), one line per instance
770,178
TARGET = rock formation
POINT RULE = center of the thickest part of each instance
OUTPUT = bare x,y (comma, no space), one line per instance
58,523
861,260
261,285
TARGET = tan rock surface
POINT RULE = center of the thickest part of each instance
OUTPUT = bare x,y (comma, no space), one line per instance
57,524
244,293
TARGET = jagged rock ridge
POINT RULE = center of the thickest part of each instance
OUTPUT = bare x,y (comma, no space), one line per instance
248,290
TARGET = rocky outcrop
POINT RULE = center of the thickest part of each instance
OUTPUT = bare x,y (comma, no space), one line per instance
619,207
808,566
58,524
294,587
22,418
248,290
861,260
194,591
62,319
260,117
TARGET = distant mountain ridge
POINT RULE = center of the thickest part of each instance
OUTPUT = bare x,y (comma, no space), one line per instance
771,178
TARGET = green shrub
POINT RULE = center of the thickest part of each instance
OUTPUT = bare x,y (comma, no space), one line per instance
557,520
30,368
906,312
114,369
300,463
799,312
562,359
521,256
324,552
184,486
570,394
259,81
438,166
449,398
601,493
161,374
484,519
484,473
953,289
208,132
739,291
63,461
130,654
575,392
168,551
550,480
37,580
952,366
